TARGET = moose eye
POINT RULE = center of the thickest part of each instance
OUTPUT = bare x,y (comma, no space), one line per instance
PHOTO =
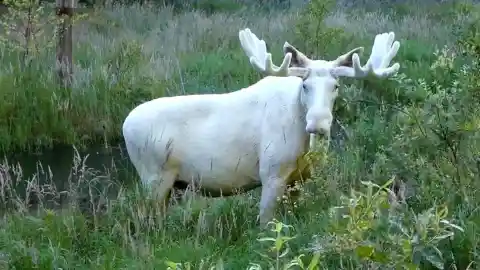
305,88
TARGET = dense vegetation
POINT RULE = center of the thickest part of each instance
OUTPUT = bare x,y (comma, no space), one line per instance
418,132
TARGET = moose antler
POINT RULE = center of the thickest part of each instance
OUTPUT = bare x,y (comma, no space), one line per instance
256,51
383,51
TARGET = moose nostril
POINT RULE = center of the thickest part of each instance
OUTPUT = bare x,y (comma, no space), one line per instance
318,131
321,127
310,129
324,132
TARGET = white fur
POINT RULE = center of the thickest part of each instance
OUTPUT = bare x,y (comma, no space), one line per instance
240,140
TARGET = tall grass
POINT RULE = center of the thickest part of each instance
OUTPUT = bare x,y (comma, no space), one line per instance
401,193
123,56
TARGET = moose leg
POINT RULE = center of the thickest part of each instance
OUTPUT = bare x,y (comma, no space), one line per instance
162,189
274,189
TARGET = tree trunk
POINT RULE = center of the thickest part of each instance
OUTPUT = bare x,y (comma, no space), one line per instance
64,60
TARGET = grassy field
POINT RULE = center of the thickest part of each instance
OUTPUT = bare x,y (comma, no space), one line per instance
419,129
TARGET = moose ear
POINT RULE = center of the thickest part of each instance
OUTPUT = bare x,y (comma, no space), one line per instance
298,58
346,60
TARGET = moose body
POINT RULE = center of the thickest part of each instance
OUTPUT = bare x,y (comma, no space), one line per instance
220,143
257,136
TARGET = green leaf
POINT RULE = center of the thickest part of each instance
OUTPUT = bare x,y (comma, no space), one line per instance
284,253
278,227
295,262
279,243
406,246
443,236
172,265
434,259
388,183
443,212
448,223
254,266
287,238
314,262
365,251
271,239
380,257
363,225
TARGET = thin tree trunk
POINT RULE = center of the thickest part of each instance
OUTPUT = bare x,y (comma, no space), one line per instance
64,60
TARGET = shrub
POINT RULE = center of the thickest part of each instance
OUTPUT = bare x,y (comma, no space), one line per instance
312,33
366,229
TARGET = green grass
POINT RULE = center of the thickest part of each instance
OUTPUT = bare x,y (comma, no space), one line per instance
419,129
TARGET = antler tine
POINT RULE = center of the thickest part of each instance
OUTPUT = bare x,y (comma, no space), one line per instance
256,51
383,51
358,70
274,70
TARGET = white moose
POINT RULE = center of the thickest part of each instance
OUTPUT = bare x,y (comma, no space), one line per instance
253,137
